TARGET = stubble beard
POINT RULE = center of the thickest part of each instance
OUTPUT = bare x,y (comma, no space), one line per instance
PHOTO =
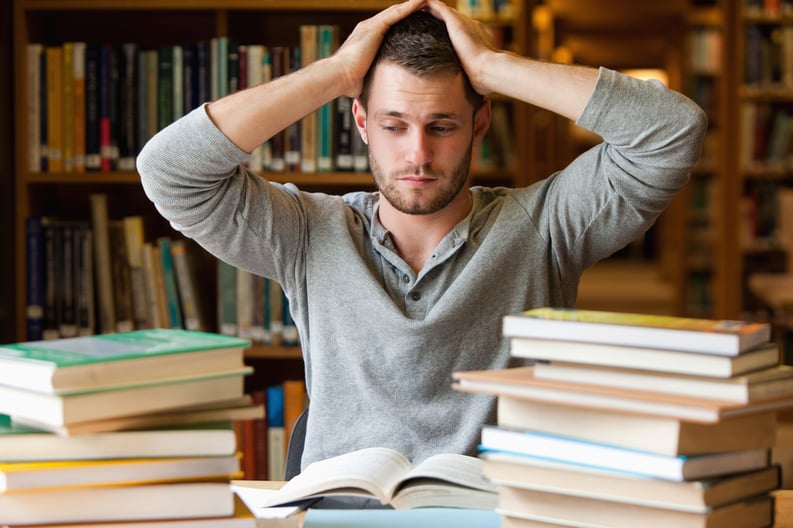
413,202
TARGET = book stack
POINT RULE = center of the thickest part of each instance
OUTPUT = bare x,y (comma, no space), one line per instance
633,420
129,429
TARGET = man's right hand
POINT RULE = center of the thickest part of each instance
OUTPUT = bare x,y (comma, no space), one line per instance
355,55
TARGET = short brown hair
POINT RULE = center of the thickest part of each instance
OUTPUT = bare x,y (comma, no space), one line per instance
420,43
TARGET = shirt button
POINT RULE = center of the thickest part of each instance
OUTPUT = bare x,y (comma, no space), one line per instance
415,296
405,278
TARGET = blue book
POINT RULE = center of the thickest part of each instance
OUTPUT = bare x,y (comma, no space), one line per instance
578,453
456,517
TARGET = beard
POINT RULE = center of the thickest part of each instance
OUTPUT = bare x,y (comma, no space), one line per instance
417,202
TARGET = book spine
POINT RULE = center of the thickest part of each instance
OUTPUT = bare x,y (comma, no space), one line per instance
105,102
169,283
78,152
54,108
93,158
328,41
164,86
276,434
308,127
67,324
227,299
86,310
67,83
127,110
34,75
102,263
35,275
185,280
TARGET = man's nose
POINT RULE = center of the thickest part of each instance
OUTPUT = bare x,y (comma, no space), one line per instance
419,149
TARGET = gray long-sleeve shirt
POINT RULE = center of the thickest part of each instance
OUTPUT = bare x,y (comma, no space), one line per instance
381,342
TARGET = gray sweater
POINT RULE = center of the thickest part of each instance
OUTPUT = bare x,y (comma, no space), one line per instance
381,342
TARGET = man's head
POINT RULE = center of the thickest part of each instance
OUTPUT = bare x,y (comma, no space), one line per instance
421,117
420,43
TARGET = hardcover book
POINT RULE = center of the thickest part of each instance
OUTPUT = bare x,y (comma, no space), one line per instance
112,360
707,336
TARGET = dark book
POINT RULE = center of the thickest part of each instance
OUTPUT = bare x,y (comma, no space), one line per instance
92,100
35,277
164,86
128,94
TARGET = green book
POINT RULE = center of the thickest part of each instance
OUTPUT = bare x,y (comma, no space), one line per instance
106,361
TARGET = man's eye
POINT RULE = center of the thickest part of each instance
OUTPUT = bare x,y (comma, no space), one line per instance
441,129
393,128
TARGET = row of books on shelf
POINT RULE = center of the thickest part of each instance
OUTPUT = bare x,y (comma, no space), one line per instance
634,420
103,275
767,56
766,137
706,49
768,7
92,107
134,427
264,440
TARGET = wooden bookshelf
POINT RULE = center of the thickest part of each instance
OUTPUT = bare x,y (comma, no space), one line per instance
155,23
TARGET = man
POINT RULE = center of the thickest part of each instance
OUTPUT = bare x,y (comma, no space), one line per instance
392,291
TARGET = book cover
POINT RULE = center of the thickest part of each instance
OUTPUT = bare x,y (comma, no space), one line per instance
25,443
36,476
80,363
517,503
584,481
719,337
134,238
520,382
119,503
772,382
52,411
656,434
646,358
575,451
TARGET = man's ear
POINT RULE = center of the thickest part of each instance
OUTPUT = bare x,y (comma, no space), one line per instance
359,116
482,120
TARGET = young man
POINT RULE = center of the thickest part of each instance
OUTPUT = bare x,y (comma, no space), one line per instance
395,290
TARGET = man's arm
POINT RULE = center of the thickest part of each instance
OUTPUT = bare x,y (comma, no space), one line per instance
560,88
251,117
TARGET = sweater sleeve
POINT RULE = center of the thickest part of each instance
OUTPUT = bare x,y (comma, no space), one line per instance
611,194
196,178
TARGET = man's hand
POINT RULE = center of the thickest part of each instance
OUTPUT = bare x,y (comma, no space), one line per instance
471,41
358,51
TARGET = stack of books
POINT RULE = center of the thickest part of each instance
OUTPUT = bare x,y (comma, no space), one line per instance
129,429
627,420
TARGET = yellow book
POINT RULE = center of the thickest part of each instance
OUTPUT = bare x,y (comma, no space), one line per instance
54,108
29,476
78,93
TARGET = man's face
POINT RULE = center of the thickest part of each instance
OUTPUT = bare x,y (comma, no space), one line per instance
420,133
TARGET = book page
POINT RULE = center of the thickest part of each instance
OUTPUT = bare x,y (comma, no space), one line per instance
366,472
453,468
446,480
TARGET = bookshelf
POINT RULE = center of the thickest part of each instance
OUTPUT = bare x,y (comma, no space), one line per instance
763,81
704,80
63,192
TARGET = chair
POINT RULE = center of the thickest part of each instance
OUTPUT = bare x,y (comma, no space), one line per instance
294,451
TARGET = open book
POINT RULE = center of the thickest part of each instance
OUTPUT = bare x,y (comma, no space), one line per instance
443,480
